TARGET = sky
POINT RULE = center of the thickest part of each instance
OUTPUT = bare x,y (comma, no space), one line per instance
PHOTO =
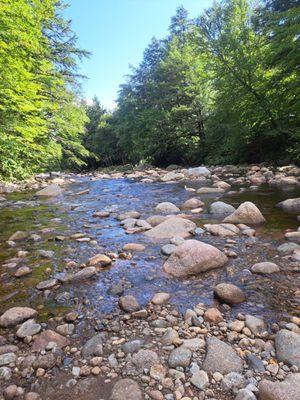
116,32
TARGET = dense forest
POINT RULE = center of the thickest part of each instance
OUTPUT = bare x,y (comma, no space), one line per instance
221,88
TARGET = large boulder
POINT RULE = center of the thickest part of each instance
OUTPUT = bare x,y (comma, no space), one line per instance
199,172
174,226
229,294
221,208
166,208
246,213
220,357
290,205
52,190
193,257
16,315
126,389
222,229
289,389
287,345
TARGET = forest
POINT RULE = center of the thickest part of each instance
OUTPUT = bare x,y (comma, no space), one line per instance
221,88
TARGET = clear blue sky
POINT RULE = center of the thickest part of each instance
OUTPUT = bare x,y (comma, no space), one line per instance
116,32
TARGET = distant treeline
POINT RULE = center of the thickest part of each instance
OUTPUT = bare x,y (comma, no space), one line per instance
221,88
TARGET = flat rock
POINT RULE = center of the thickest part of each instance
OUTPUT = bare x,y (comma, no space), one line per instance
246,213
16,315
168,249
193,257
85,273
22,271
220,357
126,389
287,345
171,227
289,389
28,328
52,190
129,214
265,268
288,248
208,190
222,229
229,294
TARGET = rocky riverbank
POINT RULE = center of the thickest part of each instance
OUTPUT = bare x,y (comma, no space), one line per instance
152,284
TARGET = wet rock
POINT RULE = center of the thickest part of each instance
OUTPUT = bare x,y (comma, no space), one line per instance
16,315
287,345
192,203
99,259
46,361
42,339
290,205
161,298
170,336
28,328
129,303
22,271
222,229
126,389
246,213
265,268
256,325
221,208
193,344
52,190
94,346
200,380
180,357
166,208
171,227
172,176
229,294
48,284
193,257
286,390
145,359
133,247
18,236
168,249
220,357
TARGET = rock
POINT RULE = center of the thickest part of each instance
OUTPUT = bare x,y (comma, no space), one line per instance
265,268
199,172
172,176
255,363
192,203
213,315
160,298
180,357
168,249
129,303
193,257
289,389
28,328
256,325
229,294
94,346
200,380
132,346
288,248
287,345
194,344
133,247
45,253
16,315
52,190
232,382
18,236
42,339
158,372
65,329
145,359
85,273
222,229
129,214
22,271
7,358
245,394
293,236
221,208
171,227
5,374
126,389
10,392
169,337
246,213
48,284
155,220
290,205
220,357
166,208
99,259
208,190
32,396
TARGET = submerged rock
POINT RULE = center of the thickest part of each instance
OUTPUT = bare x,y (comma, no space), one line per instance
193,257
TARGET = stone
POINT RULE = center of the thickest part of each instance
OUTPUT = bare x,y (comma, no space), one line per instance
52,190
192,203
174,226
209,190
129,303
194,344
167,208
180,357
126,389
99,259
168,249
42,340
7,358
220,357
246,213
222,229
288,248
145,359
28,328
32,396
160,298
193,257
158,372
16,315
10,392
199,172
287,345
200,380
237,325
18,236
232,382
129,214
132,346
48,284
213,315
8,348
84,274
170,336
255,363
290,205
5,374
245,394
221,208
94,346
293,236
256,325
22,271
286,390
45,253
229,294
133,247
265,268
